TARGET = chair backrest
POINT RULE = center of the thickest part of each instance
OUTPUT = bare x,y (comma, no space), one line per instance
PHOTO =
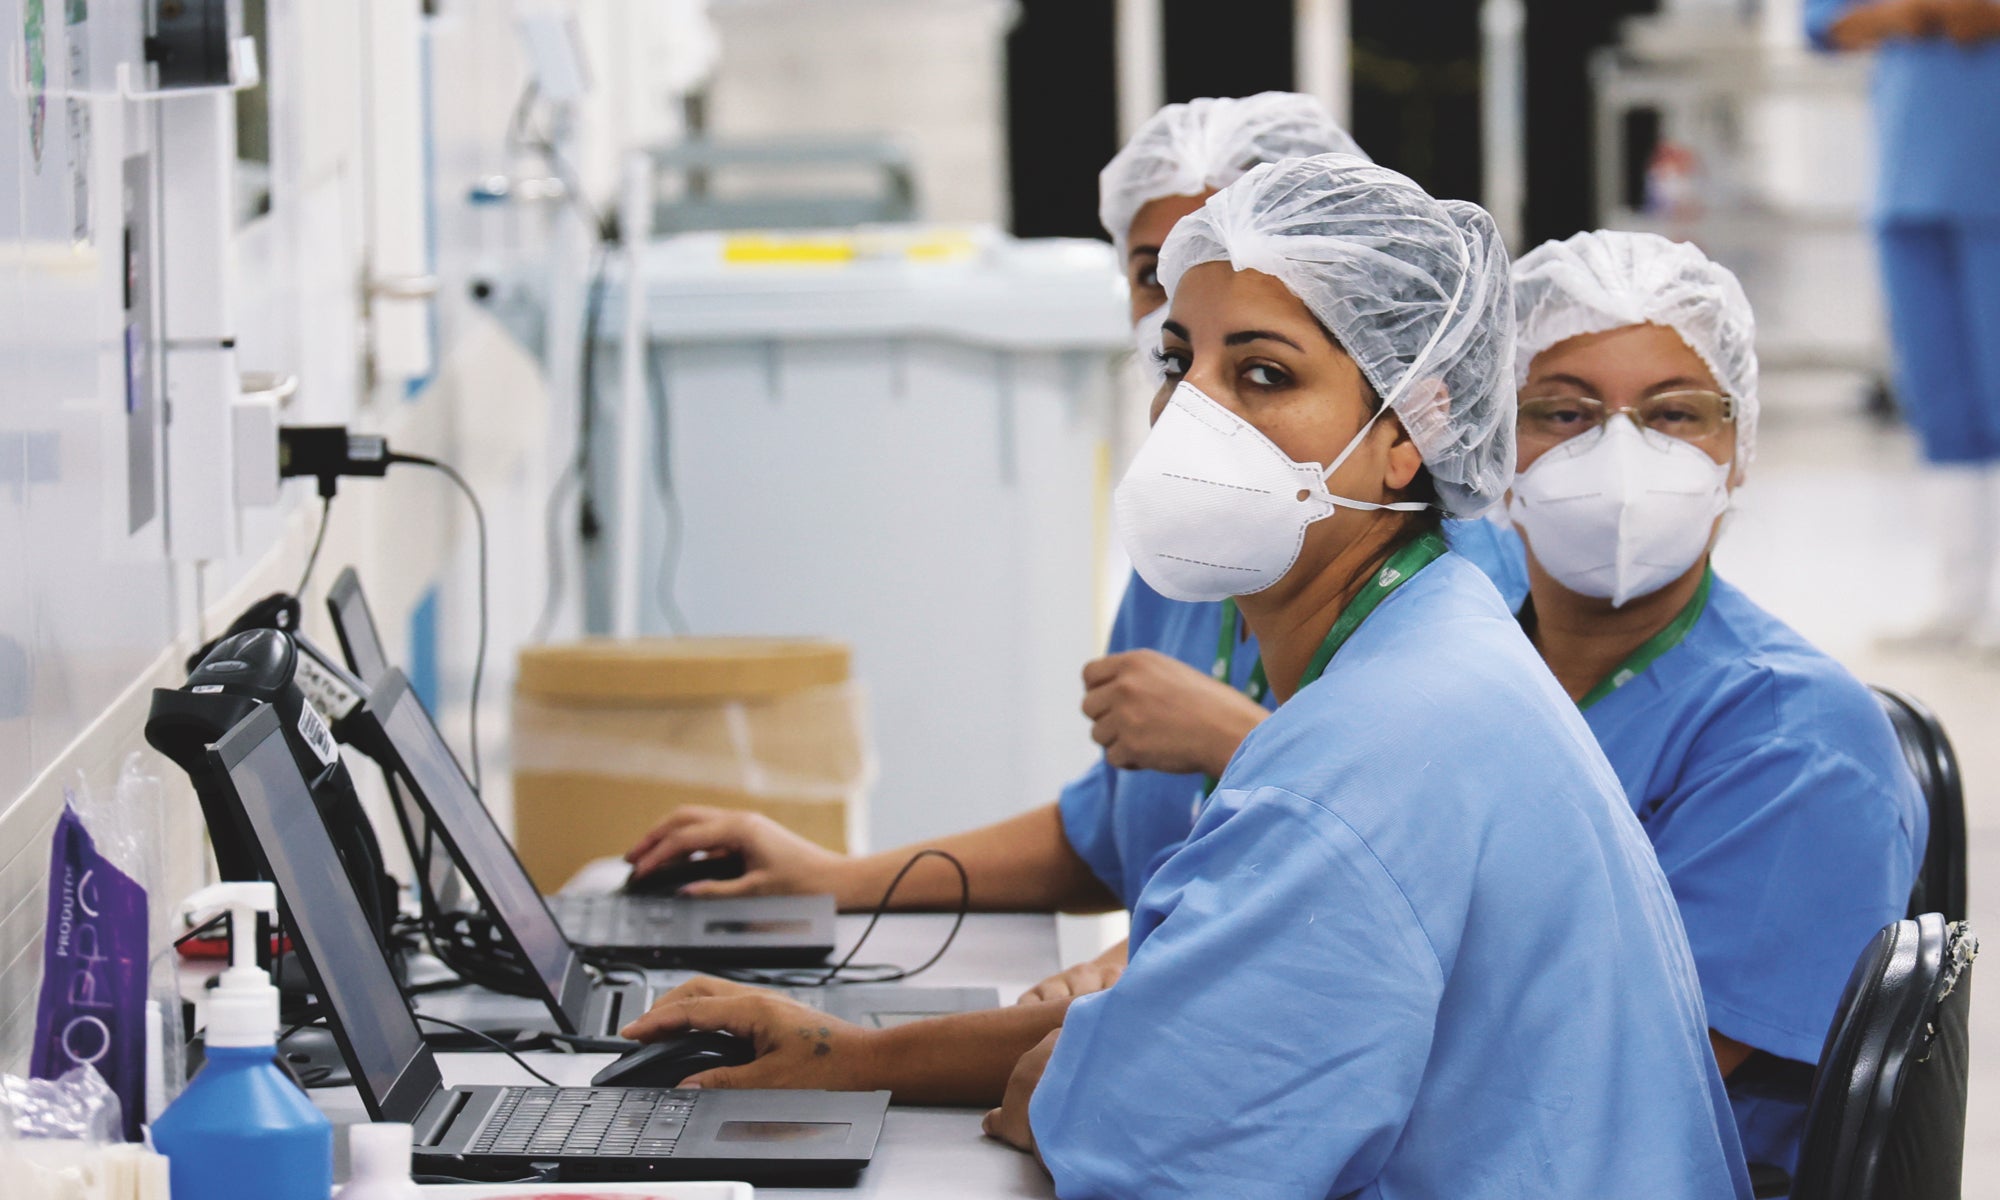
1887,1117
1941,879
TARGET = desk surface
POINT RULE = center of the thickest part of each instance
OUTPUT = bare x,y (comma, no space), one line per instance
925,1152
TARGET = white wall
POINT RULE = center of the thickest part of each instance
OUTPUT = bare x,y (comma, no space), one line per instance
92,615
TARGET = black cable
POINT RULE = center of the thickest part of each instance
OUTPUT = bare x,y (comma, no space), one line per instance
319,539
218,919
577,473
964,905
479,658
670,504
490,1040
838,974
553,555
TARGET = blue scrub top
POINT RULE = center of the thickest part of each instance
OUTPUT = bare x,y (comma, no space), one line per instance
1778,800
1429,955
1123,824
1937,136
1784,814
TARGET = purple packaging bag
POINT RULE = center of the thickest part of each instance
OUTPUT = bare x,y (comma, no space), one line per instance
94,961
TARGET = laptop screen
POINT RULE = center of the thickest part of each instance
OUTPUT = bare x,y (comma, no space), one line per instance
342,960
482,851
361,643
354,624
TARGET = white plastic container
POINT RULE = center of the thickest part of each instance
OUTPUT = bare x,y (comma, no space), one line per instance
378,1162
899,438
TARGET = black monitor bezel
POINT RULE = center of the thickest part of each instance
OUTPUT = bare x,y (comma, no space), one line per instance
565,1001
419,1078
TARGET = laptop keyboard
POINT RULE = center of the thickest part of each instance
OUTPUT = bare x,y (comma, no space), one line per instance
616,920
545,1122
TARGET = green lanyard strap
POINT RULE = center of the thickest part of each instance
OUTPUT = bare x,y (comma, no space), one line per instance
1394,574
1225,654
1661,642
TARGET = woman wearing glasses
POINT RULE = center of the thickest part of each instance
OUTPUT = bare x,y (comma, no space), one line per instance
1764,774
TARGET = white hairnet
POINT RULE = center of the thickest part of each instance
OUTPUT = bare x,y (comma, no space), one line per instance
1188,149
1413,288
1595,282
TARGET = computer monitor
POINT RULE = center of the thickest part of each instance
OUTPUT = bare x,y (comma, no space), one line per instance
475,841
354,625
361,644
393,1068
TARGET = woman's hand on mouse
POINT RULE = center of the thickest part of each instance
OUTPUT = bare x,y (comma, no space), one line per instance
1155,713
1092,975
1009,1122
776,861
797,1047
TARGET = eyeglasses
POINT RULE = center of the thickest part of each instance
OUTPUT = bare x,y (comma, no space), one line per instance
1692,415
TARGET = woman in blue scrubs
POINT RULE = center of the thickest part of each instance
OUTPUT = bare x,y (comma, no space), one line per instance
1937,215
1766,776
1416,943
1166,697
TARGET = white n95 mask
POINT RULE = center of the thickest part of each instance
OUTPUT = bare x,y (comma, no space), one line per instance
1146,338
1619,513
1211,508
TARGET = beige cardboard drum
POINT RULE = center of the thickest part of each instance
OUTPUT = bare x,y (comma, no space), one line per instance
610,735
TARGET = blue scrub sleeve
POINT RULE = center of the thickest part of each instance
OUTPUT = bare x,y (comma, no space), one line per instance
1820,16
1270,1034
1088,802
1086,806
1785,860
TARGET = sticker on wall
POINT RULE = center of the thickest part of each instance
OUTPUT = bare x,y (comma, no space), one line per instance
34,36
77,38
142,421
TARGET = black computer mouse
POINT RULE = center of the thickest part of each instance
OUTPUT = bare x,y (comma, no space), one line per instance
670,879
665,1064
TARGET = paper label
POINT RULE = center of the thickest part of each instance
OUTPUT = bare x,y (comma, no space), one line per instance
314,730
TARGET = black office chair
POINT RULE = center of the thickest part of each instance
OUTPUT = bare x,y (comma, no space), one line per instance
1941,879
1887,1116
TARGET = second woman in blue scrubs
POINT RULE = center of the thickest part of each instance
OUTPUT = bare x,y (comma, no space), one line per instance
1416,943
1765,775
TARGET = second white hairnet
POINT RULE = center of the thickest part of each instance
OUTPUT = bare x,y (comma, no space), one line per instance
1414,288
1188,149
1604,280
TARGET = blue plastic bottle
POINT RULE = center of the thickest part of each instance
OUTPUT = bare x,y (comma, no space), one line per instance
243,1130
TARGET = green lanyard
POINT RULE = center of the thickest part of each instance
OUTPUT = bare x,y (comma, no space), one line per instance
1655,646
1225,654
1394,574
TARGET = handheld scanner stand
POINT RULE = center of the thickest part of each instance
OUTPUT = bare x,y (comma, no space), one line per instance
239,674
249,669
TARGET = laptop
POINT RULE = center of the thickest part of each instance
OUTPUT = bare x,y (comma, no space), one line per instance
793,1137
650,931
757,929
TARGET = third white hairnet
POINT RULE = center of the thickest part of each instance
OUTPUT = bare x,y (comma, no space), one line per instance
1188,149
1604,280
1413,288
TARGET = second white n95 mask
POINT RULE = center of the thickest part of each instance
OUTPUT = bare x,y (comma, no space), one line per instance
1618,513
1211,508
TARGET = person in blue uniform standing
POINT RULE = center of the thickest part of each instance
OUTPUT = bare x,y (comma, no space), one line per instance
1766,776
1416,944
1937,215
1177,688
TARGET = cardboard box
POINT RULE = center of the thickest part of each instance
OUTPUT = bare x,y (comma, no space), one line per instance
609,736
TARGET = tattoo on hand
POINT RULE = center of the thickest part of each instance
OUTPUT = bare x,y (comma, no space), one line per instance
823,1046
